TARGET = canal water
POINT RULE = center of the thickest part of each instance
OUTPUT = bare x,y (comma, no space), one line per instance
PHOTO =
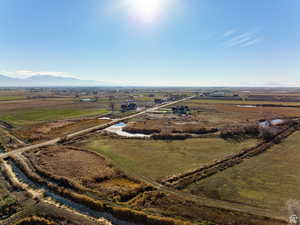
246,106
268,123
118,129
67,202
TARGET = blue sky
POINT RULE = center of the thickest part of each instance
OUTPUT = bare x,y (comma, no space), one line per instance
187,42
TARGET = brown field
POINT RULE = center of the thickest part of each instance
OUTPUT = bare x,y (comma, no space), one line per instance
75,164
14,105
85,168
206,117
275,96
221,113
165,126
46,131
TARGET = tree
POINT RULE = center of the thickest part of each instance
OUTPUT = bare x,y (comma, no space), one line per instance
112,106
112,103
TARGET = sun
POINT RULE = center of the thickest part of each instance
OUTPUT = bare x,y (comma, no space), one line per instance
146,10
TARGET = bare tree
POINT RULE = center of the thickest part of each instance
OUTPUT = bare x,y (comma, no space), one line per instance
112,103
112,106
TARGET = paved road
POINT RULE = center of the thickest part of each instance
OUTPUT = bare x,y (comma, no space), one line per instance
86,131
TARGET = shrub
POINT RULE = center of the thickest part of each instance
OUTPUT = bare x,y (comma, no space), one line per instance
170,136
240,133
34,220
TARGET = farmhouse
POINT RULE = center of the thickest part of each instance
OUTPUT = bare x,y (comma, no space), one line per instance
181,110
160,100
128,106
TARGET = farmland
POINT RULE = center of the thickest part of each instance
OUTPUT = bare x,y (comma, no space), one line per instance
25,118
45,131
212,163
37,111
269,180
157,159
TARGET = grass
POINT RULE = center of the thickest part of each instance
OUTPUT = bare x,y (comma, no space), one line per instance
240,102
267,181
11,98
40,115
157,159
145,99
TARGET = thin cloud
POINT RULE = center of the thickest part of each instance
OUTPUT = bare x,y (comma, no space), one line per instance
230,32
253,42
28,73
238,40
242,39
33,73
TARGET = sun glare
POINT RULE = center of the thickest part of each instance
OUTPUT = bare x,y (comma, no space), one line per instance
146,10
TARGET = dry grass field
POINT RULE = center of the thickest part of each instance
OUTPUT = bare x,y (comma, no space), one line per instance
157,159
86,169
46,131
79,165
175,205
269,181
165,125
223,113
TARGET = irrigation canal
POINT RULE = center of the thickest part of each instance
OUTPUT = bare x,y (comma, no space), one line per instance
67,202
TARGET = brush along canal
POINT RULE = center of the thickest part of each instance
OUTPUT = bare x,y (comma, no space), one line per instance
86,205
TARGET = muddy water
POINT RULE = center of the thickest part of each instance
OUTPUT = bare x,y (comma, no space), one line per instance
67,202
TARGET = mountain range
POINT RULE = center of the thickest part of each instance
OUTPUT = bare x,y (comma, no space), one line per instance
46,81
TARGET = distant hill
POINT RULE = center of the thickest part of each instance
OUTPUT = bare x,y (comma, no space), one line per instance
46,81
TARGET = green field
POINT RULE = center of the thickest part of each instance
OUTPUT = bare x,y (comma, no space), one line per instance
157,159
11,98
268,181
40,115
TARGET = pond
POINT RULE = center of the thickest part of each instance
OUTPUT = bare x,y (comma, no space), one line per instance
121,124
